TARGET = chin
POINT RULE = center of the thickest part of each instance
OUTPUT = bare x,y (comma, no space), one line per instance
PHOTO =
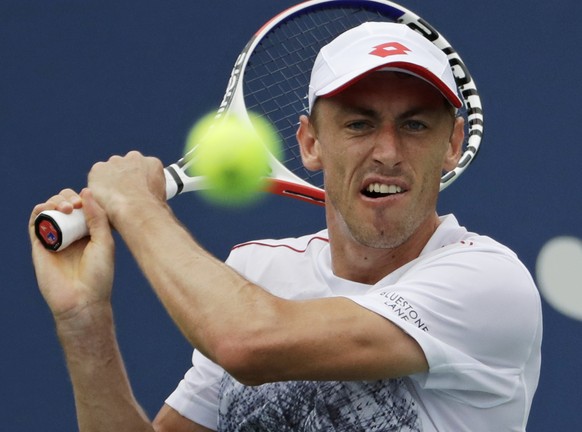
388,238
383,234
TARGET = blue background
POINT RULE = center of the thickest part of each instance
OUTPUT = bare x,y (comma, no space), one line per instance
81,80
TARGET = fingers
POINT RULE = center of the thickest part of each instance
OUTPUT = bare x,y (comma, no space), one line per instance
130,175
132,158
65,201
124,178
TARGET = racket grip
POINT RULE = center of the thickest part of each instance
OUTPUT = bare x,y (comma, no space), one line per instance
57,230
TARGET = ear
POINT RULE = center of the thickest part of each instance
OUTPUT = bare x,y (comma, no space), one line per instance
308,144
455,147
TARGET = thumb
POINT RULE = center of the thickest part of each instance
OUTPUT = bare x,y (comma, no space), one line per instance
97,221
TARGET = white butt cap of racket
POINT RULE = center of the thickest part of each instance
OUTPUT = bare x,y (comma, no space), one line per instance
57,230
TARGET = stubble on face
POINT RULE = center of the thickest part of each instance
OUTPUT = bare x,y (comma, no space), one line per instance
381,227
380,230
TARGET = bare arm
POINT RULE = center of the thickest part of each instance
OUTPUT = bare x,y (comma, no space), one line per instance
76,285
257,337
103,396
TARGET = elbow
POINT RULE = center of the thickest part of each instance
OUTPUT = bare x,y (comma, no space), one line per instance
245,359
250,349
248,356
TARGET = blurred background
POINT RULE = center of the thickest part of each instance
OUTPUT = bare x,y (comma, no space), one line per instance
81,80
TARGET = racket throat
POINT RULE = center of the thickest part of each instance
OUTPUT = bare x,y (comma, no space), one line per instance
305,193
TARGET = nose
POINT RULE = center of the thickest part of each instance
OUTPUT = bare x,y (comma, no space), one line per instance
387,149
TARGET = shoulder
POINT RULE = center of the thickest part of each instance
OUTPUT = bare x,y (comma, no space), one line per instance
480,287
469,253
453,247
474,267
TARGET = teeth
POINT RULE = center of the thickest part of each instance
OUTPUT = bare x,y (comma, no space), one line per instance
383,188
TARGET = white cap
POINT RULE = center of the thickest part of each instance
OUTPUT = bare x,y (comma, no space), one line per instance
374,46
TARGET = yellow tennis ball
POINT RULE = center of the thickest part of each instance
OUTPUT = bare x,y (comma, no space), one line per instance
233,155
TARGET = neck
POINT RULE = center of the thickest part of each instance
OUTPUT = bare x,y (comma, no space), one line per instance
360,263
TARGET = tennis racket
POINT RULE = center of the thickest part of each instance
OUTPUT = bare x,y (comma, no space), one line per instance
270,78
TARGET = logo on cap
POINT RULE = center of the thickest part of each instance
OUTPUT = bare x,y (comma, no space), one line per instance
389,49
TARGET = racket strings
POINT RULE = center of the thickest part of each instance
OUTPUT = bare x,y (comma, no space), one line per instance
277,74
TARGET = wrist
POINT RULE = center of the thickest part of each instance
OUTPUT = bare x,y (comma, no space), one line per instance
129,212
89,343
83,322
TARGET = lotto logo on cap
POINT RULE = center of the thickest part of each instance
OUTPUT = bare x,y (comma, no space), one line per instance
389,49
377,46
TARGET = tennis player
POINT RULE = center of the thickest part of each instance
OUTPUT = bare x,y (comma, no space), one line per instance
393,318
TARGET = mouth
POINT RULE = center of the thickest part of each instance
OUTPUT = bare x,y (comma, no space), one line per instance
381,190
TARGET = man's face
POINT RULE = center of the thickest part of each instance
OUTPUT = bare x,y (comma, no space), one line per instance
383,144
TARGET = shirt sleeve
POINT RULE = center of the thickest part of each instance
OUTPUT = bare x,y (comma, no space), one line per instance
196,396
474,314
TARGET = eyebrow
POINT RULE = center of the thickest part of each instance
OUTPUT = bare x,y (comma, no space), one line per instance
373,113
348,109
416,111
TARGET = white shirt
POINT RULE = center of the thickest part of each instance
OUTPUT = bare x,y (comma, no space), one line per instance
467,300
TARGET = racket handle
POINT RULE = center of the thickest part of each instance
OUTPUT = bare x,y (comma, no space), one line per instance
57,230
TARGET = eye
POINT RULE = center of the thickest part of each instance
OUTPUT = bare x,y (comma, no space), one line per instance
359,126
415,125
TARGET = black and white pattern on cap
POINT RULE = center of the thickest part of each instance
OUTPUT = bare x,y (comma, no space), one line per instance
308,406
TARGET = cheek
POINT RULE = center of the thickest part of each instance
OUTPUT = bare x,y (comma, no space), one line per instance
336,171
430,168
339,161
439,159
332,169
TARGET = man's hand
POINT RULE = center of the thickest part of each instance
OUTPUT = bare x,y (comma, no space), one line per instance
132,179
80,276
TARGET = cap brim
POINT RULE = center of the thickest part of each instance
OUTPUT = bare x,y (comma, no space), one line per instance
423,73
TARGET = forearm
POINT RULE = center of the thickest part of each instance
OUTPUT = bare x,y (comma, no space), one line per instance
207,300
103,396
254,335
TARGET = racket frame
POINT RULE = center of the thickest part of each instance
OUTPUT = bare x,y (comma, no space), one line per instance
281,180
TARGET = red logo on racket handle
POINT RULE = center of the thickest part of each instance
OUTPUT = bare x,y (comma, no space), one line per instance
389,49
46,232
